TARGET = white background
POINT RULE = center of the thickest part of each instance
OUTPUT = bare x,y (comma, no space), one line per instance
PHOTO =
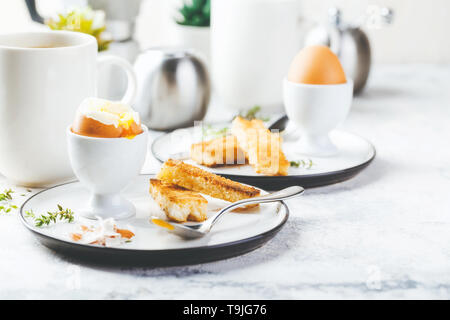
419,33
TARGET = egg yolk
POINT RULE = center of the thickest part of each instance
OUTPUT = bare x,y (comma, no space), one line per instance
316,65
102,118
163,224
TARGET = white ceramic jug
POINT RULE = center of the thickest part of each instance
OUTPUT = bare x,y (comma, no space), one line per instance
253,43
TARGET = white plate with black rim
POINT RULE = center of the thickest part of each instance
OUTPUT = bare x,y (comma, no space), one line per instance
355,153
236,233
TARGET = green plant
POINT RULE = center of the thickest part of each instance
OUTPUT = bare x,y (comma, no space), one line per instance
195,13
5,201
46,219
83,20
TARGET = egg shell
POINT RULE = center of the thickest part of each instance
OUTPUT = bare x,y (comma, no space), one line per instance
86,126
316,65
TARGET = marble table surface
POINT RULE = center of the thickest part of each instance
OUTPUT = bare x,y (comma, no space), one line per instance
383,234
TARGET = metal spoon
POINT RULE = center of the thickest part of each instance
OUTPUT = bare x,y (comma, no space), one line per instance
198,230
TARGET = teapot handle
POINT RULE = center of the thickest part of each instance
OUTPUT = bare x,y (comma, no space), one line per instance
35,16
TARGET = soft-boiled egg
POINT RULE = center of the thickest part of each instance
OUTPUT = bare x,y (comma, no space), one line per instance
316,65
106,119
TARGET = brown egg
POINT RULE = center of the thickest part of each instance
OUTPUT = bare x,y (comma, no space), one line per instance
316,65
92,128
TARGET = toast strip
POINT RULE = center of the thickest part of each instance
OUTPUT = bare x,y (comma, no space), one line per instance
196,179
262,147
178,203
218,152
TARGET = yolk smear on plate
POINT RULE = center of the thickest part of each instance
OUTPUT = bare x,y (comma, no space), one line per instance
163,224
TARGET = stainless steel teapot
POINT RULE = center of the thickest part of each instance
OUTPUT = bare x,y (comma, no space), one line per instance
349,42
173,88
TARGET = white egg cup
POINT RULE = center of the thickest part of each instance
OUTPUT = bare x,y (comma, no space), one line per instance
105,166
316,110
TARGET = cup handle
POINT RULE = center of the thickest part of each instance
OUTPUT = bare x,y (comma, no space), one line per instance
130,94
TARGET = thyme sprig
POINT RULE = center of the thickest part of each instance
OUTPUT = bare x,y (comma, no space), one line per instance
208,131
46,219
305,164
30,214
6,195
253,113
5,201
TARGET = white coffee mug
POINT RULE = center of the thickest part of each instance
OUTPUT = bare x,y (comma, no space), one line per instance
44,76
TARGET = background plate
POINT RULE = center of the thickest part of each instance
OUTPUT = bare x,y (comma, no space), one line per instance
355,153
235,234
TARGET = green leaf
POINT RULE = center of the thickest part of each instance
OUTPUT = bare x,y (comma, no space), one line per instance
302,164
195,13
209,132
29,214
253,113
